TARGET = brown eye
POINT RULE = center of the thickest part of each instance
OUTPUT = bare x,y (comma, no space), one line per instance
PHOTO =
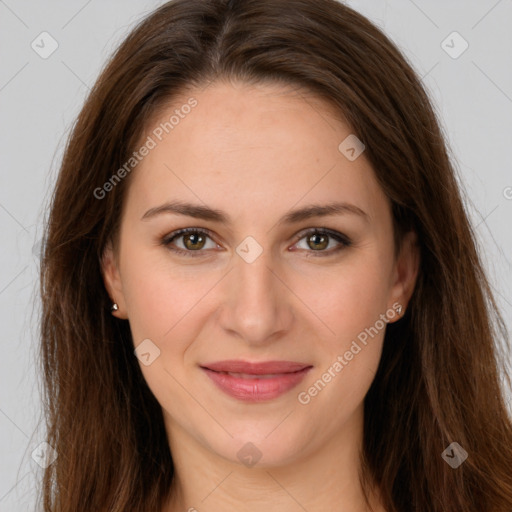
189,242
193,241
318,241
322,242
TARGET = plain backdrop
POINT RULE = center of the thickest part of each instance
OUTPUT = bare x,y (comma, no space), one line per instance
40,98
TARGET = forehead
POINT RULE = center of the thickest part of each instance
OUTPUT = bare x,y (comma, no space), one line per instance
250,149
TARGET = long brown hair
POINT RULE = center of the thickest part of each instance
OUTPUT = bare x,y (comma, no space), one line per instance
439,377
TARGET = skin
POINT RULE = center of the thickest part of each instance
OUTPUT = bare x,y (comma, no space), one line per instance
257,153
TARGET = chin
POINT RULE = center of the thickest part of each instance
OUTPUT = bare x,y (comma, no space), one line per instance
271,445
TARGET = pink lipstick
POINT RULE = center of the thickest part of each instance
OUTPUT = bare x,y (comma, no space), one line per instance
256,382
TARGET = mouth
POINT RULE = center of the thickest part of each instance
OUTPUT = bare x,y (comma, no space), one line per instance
256,382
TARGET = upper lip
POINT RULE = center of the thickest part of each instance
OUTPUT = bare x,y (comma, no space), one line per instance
258,368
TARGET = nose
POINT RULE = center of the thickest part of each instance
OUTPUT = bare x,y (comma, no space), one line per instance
256,304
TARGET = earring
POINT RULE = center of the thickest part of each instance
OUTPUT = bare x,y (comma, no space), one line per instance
114,307
399,310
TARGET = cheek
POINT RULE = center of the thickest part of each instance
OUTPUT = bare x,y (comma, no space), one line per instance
348,300
166,303
154,298
350,357
350,303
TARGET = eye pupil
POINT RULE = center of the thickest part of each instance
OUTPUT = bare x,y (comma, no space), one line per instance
194,240
319,241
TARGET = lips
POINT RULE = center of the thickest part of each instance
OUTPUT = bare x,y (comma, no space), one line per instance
263,368
255,382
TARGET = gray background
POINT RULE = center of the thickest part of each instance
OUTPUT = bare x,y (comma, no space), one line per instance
39,99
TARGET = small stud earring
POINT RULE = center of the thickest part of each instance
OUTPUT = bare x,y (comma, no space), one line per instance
399,310
114,307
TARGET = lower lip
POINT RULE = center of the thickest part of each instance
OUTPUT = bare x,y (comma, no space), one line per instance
256,389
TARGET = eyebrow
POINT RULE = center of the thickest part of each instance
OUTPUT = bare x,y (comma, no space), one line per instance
205,213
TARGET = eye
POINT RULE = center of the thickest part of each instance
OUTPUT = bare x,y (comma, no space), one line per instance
319,239
192,241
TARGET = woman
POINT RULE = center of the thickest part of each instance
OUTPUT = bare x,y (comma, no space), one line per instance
260,287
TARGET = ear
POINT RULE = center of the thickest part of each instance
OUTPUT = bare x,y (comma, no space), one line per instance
112,280
405,273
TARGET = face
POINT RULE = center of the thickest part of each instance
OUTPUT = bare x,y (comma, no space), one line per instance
264,322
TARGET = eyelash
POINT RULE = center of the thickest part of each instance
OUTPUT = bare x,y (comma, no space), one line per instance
342,239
